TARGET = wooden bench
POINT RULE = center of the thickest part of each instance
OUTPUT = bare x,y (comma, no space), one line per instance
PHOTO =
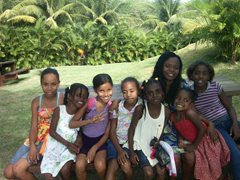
230,87
8,71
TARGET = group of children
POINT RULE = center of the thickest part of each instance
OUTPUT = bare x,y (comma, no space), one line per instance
196,122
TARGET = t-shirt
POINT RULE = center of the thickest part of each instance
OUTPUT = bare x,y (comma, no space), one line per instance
95,129
209,104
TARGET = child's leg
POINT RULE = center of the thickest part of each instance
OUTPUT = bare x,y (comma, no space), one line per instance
160,172
145,165
66,170
112,169
112,161
127,169
81,165
148,172
48,176
188,165
20,153
20,170
8,172
100,163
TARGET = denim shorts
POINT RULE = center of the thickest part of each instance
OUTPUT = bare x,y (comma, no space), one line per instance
22,152
112,152
143,161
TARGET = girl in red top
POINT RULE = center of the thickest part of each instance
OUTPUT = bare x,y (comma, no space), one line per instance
210,156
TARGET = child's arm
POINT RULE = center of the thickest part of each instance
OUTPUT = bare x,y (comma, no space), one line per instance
33,152
53,127
137,114
122,155
235,131
92,152
193,116
76,122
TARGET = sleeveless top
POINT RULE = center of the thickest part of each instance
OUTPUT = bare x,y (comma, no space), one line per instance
45,117
124,121
148,128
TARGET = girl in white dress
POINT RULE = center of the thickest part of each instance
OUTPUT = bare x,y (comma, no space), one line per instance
147,122
63,144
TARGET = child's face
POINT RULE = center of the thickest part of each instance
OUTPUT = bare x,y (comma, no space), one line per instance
50,84
80,97
182,101
154,94
171,68
130,92
200,76
104,92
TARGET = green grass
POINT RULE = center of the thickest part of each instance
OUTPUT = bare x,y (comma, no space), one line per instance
16,96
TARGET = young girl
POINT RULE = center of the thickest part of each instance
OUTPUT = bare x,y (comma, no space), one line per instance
213,104
168,70
148,122
95,128
42,110
210,157
61,146
121,115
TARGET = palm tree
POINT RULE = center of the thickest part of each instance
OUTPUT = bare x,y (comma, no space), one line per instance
28,11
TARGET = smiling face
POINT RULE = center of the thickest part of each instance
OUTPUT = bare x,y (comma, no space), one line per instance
200,76
154,93
171,68
130,92
50,84
79,98
104,92
183,100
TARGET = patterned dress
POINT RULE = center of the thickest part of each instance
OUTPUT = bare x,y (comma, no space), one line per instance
210,157
57,154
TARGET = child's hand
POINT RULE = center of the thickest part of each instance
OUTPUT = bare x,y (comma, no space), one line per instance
98,118
91,154
73,148
189,147
212,132
181,143
33,155
122,157
235,132
134,158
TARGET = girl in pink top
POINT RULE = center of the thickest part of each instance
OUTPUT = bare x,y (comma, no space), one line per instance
95,128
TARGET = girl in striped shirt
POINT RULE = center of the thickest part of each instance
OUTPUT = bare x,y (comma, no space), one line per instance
214,105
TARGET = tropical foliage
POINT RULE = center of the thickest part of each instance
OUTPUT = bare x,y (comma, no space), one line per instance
222,26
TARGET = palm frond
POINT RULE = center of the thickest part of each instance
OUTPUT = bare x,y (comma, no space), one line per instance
22,18
26,3
51,22
9,13
32,10
62,12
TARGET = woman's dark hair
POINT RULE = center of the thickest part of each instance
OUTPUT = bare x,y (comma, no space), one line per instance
72,90
130,79
49,71
194,65
145,86
158,72
101,79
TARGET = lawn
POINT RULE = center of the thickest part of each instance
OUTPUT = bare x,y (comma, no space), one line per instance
16,96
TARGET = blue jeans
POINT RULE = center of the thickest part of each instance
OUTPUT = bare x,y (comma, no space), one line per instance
112,152
22,152
223,125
